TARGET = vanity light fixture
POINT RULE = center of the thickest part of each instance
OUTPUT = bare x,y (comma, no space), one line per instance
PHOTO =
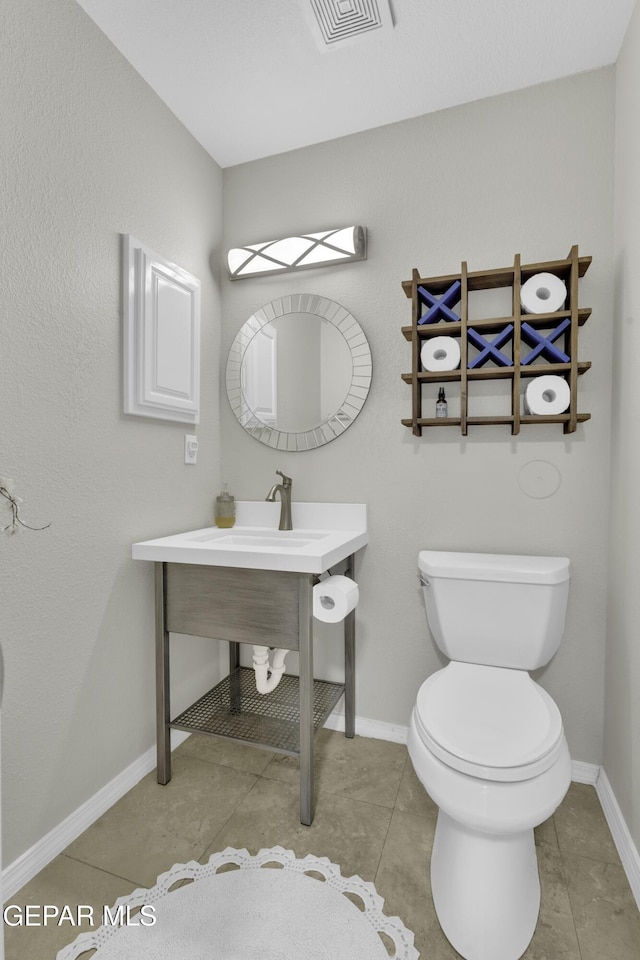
340,245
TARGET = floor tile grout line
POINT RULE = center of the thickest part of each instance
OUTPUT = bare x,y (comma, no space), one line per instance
393,810
212,763
586,856
383,845
231,815
337,793
225,766
108,873
261,776
566,886
407,760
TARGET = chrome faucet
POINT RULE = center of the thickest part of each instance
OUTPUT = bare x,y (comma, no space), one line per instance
285,500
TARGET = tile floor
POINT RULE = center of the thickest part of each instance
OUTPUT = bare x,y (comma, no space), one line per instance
372,818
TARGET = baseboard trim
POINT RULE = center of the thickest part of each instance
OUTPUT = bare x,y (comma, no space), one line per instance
35,859
620,832
582,772
375,729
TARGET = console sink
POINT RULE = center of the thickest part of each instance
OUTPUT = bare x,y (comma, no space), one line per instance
323,534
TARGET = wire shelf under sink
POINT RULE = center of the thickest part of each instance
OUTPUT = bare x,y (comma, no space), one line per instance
235,710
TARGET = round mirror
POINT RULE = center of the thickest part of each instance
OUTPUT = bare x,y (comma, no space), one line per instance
298,372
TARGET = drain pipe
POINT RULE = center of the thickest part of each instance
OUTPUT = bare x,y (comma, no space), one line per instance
268,675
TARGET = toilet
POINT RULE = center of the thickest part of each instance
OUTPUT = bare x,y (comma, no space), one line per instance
487,742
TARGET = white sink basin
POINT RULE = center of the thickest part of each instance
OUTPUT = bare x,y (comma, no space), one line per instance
263,540
323,534
256,537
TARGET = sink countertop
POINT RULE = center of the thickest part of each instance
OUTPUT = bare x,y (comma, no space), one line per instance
322,535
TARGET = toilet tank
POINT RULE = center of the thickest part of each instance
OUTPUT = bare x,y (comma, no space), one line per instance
495,609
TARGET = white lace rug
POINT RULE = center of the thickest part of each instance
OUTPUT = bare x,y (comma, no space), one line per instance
302,908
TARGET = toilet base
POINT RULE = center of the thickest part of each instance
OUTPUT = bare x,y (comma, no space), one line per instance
486,890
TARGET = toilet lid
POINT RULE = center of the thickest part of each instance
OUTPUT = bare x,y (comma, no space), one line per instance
490,722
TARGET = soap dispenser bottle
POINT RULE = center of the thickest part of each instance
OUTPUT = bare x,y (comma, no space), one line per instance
225,510
441,405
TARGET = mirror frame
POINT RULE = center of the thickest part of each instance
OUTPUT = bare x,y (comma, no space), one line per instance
334,425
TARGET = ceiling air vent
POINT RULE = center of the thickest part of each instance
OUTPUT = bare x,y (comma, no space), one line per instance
339,21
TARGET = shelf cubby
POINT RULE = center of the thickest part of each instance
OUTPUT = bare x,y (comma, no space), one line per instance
549,339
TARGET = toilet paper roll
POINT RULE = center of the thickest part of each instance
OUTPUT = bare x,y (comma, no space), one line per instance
543,293
547,396
334,598
440,353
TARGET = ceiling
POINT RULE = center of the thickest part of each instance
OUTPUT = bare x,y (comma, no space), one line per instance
248,78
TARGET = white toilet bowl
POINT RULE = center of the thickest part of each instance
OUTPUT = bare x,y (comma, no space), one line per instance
488,746
487,742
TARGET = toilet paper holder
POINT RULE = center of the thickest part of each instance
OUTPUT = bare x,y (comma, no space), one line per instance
335,598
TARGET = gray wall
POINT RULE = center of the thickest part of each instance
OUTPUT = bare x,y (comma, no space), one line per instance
529,172
90,153
622,715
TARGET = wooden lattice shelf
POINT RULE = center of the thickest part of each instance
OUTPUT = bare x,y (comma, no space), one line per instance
541,343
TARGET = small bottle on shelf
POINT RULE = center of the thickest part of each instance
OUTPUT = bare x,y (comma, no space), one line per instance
441,405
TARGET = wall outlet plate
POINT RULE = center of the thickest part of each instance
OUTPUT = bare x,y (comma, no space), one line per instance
190,448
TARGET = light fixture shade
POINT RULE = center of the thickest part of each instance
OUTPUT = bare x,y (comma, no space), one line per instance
340,245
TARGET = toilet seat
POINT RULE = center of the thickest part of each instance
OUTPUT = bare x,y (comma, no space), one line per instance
492,723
